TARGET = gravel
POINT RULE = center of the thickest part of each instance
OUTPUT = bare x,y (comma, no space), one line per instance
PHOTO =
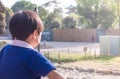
76,74
72,73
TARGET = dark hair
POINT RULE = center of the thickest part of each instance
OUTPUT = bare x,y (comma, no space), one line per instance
23,23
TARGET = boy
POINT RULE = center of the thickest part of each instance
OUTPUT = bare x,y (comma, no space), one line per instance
19,60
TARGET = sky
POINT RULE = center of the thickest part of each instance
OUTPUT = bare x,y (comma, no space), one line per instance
64,3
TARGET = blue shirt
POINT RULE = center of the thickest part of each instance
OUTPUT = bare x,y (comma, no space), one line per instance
23,63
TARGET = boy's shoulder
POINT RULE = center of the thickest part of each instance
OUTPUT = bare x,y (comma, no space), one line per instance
19,49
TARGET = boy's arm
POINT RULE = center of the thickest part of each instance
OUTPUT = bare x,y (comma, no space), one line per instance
54,75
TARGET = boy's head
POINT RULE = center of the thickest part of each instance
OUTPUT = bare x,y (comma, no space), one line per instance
24,23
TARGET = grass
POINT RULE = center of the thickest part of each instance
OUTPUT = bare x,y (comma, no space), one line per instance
72,57
115,59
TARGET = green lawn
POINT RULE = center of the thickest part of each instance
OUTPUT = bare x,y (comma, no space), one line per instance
72,57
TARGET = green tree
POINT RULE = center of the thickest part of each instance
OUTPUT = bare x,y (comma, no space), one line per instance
52,22
54,19
9,13
56,24
27,5
95,13
2,18
116,5
23,5
70,21
43,13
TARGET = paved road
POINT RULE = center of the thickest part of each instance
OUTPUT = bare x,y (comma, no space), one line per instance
73,47
76,47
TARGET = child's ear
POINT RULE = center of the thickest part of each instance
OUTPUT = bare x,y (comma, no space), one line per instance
35,33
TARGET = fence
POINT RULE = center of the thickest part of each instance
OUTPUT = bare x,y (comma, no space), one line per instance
75,35
82,35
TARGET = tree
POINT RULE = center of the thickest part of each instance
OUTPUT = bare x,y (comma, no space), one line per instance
52,22
43,13
54,19
70,21
27,5
2,18
9,13
23,5
56,24
95,13
105,18
117,10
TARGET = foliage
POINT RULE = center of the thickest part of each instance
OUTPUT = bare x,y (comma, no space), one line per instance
42,12
95,13
72,57
52,22
9,13
106,18
2,18
27,5
54,17
70,21
64,57
23,5
56,24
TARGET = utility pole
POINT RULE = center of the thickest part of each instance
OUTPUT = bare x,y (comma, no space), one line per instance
36,10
